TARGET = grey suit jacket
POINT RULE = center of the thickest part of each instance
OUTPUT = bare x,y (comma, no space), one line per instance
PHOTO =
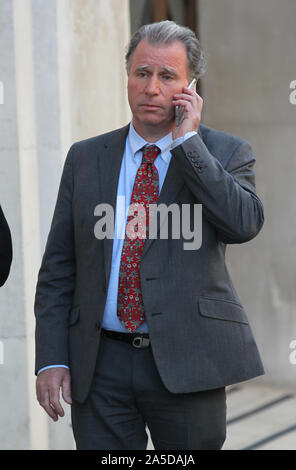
200,335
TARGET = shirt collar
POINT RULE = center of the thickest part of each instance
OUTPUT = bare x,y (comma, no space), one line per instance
137,142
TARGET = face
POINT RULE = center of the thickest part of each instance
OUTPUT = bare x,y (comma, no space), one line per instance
157,72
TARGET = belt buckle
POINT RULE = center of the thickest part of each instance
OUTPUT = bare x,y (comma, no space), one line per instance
139,342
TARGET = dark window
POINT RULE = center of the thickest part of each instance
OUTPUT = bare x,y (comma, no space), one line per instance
148,11
183,12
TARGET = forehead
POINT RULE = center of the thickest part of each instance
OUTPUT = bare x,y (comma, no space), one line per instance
171,55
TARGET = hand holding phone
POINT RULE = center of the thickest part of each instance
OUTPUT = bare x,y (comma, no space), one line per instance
180,110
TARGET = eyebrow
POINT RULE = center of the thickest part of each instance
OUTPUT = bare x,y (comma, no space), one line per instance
164,69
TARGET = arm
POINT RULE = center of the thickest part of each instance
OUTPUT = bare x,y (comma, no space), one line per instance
56,280
53,301
5,249
227,194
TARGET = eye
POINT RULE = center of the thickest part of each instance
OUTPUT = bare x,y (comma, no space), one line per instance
166,77
142,74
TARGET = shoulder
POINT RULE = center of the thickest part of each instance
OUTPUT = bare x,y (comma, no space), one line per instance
219,143
211,135
98,143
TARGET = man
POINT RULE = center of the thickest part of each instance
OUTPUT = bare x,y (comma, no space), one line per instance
5,248
141,331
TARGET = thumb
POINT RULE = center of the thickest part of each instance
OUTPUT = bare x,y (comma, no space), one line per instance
66,390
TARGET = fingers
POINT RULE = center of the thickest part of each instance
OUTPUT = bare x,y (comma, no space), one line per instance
48,386
185,104
188,92
192,104
189,99
44,401
54,400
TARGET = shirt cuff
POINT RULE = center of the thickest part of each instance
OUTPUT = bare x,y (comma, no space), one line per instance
180,140
50,367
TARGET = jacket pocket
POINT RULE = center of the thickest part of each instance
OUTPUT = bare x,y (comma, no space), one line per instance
74,315
220,309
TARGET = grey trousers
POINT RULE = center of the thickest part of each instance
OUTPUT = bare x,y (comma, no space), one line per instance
127,395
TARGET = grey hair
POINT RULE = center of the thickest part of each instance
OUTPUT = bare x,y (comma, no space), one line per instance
166,32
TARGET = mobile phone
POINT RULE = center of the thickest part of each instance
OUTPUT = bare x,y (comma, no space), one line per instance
180,110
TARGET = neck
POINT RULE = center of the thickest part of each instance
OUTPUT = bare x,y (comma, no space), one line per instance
151,133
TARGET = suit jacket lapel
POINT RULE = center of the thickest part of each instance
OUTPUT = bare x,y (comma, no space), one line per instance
109,163
172,185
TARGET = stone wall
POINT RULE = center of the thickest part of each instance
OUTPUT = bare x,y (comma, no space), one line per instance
62,79
251,64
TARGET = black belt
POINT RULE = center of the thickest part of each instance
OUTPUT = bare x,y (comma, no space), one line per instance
137,340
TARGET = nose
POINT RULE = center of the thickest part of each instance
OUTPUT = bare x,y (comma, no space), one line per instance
152,87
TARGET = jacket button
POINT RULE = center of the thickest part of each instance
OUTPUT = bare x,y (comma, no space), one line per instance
191,154
98,325
104,290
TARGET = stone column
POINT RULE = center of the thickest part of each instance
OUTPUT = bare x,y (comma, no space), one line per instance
62,79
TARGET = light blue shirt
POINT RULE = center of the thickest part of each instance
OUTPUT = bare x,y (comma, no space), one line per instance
131,161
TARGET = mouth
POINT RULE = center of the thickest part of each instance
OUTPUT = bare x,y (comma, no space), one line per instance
150,106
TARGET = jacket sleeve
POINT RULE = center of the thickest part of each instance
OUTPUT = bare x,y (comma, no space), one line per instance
227,193
5,249
56,279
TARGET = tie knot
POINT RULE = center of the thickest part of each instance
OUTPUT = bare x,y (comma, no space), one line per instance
150,153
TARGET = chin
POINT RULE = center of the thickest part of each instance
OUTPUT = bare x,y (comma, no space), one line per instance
154,121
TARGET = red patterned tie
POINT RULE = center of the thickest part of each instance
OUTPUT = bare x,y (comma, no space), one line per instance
130,308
